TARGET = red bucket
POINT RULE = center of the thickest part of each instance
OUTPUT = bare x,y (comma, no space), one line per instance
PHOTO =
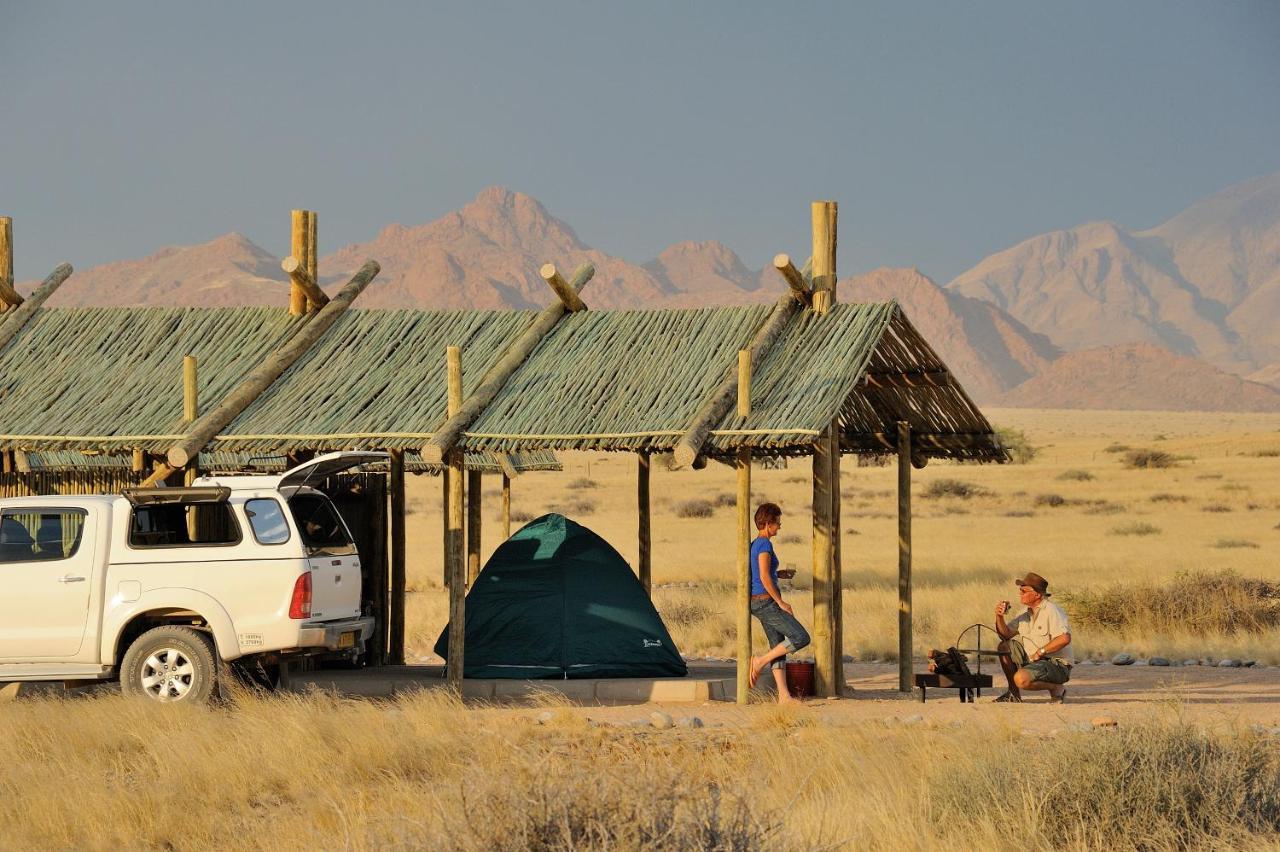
800,678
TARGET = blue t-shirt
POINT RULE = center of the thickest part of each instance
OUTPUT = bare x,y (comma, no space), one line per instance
761,545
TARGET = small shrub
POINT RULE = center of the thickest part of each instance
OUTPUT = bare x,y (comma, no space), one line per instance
1076,475
1233,543
685,613
1200,603
1019,513
1104,507
1116,448
1165,497
1053,500
796,478
1208,476
695,509
520,516
1015,442
1269,453
957,488
1215,508
790,538
582,482
725,499
1148,459
577,508
852,531
1136,528
953,509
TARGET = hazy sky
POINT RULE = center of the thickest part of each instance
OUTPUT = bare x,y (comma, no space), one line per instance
946,130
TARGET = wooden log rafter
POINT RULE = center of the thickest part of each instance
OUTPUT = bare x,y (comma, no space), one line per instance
567,293
8,295
299,275
448,435
209,425
888,441
909,380
14,319
723,398
795,280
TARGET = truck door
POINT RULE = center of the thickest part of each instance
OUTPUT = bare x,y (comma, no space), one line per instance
335,564
46,574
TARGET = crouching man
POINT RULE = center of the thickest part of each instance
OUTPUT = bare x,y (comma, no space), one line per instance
1036,651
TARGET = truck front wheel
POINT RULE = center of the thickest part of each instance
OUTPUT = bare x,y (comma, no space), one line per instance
170,664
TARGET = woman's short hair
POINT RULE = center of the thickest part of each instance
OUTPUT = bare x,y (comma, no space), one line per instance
768,513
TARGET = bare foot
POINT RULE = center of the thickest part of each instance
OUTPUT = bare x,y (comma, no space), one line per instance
757,666
786,698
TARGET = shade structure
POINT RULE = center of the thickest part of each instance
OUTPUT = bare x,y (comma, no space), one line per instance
557,601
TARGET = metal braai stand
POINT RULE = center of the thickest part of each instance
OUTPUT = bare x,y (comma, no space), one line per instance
968,685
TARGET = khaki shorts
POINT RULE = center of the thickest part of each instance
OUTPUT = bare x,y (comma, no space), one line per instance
1045,669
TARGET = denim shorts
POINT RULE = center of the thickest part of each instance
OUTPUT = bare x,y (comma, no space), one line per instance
780,628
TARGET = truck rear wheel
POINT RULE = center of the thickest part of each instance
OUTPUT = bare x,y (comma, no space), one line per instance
170,664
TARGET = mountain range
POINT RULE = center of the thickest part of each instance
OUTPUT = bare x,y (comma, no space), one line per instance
1049,322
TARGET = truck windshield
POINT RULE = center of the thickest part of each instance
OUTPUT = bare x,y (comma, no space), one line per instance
318,522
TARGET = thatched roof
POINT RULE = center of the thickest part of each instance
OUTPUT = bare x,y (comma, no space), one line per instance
109,380
223,462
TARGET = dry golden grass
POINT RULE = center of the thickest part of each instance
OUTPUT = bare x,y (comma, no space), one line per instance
967,549
422,771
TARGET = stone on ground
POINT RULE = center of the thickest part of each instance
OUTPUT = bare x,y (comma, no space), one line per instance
1122,660
658,719
1158,661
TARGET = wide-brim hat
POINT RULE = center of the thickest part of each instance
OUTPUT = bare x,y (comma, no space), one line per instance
1035,581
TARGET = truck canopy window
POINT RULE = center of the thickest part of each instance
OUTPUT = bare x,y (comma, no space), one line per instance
266,518
322,530
40,535
183,525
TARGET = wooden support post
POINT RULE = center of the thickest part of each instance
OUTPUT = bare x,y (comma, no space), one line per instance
139,460
506,506
742,608
567,294
445,579
453,534
8,296
395,618
837,566
313,303
474,522
644,526
298,248
449,434
823,614
13,320
379,564
824,255
904,557
203,430
190,412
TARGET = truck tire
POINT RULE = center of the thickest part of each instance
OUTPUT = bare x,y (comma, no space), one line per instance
170,664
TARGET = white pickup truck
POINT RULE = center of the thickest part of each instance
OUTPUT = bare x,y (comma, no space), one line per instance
158,586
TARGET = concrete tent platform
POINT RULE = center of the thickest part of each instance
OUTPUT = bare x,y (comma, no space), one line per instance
704,683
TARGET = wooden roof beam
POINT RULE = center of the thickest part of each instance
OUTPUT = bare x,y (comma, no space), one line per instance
12,320
909,380
799,287
204,429
725,395
448,435
8,295
298,274
568,293
888,441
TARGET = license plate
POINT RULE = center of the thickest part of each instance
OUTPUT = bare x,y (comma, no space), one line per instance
347,640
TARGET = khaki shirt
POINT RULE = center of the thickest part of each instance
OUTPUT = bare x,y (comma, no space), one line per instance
1035,631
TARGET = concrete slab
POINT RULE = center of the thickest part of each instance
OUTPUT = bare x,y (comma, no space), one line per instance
387,681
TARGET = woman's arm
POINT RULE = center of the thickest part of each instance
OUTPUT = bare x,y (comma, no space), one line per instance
766,580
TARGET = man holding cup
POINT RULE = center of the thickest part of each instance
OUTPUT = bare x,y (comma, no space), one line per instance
1036,651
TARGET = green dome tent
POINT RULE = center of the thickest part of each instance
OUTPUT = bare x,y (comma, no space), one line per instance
557,601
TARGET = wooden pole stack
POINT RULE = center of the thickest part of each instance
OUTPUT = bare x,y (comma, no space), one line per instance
742,608
9,297
453,531
828,640
304,289
644,532
395,617
904,557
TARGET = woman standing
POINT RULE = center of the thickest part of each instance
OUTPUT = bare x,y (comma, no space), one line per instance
783,630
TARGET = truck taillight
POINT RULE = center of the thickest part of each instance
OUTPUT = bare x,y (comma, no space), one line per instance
300,603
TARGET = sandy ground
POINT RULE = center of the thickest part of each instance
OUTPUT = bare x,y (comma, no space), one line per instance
1207,696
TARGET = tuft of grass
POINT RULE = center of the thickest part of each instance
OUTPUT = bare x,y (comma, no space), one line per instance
1104,507
725,499
1200,603
1116,448
1268,453
695,509
1136,528
1016,443
520,516
1165,497
790,538
582,483
1051,500
1215,508
1148,459
1076,475
1019,513
1234,543
956,488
